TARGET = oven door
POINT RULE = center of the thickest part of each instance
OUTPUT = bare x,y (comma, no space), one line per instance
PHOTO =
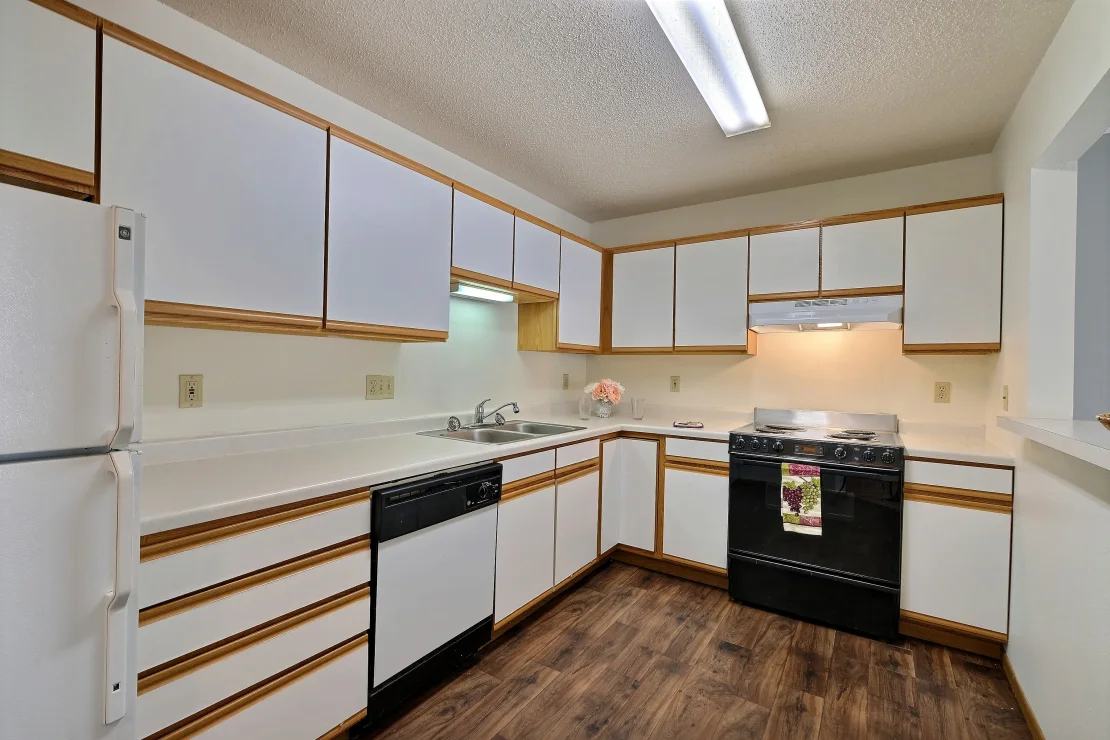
861,527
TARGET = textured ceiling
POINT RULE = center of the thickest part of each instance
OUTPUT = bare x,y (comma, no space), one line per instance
584,103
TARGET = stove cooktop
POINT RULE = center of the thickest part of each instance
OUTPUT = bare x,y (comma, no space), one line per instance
852,446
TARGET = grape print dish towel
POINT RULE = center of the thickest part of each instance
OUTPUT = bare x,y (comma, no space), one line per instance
801,498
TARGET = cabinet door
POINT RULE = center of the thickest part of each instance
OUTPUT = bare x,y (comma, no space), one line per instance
47,85
536,257
643,299
579,296
695,517
389,243
861,255
233,190
638,484
575,524
482,238
525,550
956,564
711,294
611,477
785,263
953,291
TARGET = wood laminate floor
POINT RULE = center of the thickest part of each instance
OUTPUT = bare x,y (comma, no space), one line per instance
635,654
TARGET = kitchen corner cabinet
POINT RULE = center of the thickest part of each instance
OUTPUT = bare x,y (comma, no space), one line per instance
953,290
525,550
628,493
233,190
482,238
579,324
711,296
389,247
576,523
862,257
643,300
48,95
784,264
536,257
695,514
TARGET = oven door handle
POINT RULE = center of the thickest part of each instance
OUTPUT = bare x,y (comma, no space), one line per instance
893,589
889,477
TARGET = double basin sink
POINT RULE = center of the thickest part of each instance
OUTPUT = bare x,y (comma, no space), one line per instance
499,434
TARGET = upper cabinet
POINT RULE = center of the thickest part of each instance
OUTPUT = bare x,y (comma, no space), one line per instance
711,295
579,323
389,246
536,258
953,290
48,94
785,263
862,257
643,300
233,190
482,238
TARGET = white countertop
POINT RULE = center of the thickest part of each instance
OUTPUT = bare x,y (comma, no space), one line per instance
956,447
1086,440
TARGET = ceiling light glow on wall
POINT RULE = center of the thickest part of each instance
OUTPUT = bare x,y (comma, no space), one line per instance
702,33
462,290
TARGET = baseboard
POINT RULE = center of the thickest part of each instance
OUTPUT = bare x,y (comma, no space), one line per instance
953,634
707,574
1030,718
537,603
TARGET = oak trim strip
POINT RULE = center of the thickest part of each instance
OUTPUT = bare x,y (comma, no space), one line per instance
176,58
695,565
579,240
539,485
480,277
172,608
776,228
166,313
717,236
163,544
1002,503
74,13
357,330
568,473
644,246
944,461
547,475
363,143
711,349
1023,702
532,606
671,566
487,199
853,292
151,680
696,465
953,634
954,348
49,173
799,295
950,205
641,350
343,726
542,292
579,348
253,695
537,221
855,218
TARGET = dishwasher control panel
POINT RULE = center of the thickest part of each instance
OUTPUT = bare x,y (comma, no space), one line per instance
422,502
483,493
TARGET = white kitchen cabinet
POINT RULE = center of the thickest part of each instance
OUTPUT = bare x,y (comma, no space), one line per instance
47,85
389,243
711,294
576,524
525,550
611,475
861,256
953,290
643,300
629,490
579,295
956,564
233,190
695,516
785,262
482,237
536,257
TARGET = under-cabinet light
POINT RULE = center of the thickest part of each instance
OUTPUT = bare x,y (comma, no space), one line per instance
834,325
702,33
462,290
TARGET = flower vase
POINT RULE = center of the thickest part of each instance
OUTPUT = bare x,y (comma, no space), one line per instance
603,409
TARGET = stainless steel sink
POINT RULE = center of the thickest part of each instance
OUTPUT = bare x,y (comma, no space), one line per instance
512,431
538,427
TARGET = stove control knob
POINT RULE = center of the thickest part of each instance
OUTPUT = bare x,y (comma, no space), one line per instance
869,456
888,457
777,446
754,444
840,453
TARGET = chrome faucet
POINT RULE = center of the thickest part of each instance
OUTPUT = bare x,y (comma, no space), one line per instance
480,414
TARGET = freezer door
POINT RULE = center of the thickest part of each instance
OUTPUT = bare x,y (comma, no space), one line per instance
59,576
70,324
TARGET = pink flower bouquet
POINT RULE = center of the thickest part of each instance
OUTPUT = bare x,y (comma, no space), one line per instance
606,392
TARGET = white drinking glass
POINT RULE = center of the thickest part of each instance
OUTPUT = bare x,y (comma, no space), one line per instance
638,405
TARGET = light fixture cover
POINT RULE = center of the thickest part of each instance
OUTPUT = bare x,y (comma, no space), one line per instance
702,33
480,293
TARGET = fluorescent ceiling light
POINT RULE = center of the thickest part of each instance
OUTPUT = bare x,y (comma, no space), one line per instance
702,33
462,290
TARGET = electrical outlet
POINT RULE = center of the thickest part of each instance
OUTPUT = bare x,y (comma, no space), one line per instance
676,383
942,392
1005,398
379,387
566,381
190,391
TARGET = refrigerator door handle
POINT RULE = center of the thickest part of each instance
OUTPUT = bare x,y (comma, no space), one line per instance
128,235
116,688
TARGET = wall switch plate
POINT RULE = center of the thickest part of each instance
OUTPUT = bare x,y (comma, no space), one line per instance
190,391
566,381
1005,398
942,391
676,383
379,387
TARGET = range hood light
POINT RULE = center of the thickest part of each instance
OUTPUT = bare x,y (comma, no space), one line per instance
836,325
480,293
826,314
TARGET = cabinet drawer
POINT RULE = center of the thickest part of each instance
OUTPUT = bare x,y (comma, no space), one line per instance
186,688
697,449
182,626
171,566
525,466
969,477
577,453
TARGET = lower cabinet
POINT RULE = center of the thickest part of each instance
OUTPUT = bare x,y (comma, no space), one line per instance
956,564
695,516
628,493
576,521
525,550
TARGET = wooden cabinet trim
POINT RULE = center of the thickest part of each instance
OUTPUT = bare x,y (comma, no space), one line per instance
380,332
953,634
694,465
950,205
22,167
784,227
525,486
516,617
539,222
984,348
568,473
643,247
542,292
853,292
579,348
478,277
240,702
717,236
339,730
166,313
364,143
1001,503
945,461
162,544
795,296
641,350
579,240
672,566
712,349
479,195
74,13
855,218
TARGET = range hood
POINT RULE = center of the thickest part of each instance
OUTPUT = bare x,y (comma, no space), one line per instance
826,314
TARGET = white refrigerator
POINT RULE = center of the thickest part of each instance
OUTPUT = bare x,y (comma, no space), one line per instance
71,336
